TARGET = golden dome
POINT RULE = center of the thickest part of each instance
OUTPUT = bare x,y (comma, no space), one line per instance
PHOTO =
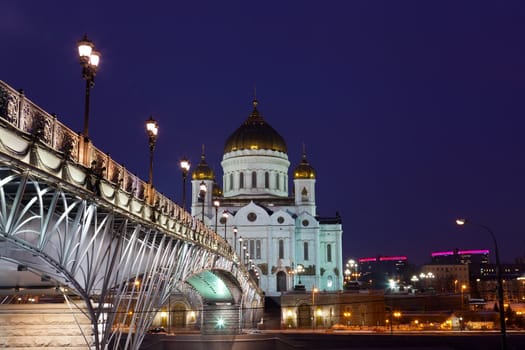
304,170
255,133
203,170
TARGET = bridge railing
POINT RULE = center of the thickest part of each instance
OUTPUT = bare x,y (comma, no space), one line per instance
25,116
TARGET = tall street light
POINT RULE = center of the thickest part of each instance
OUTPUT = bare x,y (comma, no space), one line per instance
300,269
216,204
501,306
152,129
240,247
89,60
202,196
225,216
185,167
235,238
463,287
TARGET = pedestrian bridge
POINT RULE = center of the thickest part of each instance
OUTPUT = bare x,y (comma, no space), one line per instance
80,229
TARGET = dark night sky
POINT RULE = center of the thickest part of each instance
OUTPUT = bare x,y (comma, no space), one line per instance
412,112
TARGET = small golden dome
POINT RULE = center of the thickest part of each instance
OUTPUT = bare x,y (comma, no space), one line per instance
203,170
304,170
255,133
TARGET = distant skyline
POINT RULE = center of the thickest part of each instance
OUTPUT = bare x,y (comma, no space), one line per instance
411,112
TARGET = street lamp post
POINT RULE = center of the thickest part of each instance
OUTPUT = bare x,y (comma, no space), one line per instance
234,238
216,204
300,269
202,196
397,315
89,60
240,247
463,287
152,129
185,167
501,305
243,253
225,216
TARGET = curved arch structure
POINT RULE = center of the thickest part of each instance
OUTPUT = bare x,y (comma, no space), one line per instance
91,230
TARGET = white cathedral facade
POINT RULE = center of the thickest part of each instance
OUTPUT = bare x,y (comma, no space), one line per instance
276,231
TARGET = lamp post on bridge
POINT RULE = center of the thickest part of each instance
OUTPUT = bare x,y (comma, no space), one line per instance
202,196
89,60
185,167
225,216
152,129
235,238
216,204
240,249
501,305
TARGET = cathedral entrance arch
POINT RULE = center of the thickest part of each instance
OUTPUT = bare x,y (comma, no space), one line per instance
304,316
281,281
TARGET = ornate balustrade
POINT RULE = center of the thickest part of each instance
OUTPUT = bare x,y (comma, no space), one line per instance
42,141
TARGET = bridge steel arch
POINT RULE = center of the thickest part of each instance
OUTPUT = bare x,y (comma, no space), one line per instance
119,246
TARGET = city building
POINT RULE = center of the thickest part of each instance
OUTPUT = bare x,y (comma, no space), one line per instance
377,272
465,256
443,277
276,230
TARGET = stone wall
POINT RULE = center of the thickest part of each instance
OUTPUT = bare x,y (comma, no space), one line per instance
50,326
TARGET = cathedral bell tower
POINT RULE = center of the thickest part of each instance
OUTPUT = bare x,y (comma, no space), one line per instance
304,187
202,187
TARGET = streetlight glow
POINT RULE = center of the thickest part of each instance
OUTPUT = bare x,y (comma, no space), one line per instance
202,196
461,221
185,167
152,127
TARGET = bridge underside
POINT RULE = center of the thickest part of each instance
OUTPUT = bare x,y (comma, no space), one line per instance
60,244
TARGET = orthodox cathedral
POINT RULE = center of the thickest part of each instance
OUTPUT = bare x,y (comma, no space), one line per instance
276,231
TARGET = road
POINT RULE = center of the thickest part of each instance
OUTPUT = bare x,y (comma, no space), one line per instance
304,340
